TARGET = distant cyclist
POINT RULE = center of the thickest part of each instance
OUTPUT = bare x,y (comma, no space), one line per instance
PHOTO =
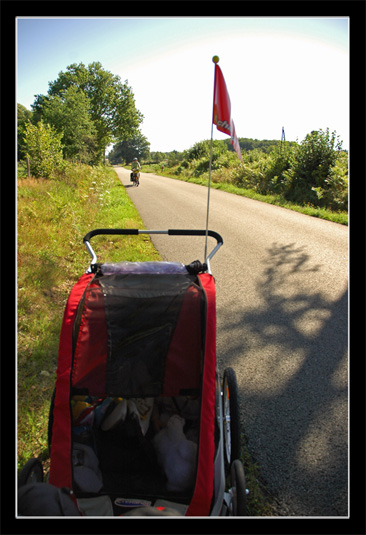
135,166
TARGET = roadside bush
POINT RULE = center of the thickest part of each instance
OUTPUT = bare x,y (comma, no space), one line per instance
309,178
334,194
252,172
278,163
44,150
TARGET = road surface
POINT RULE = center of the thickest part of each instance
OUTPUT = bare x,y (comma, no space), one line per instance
282,324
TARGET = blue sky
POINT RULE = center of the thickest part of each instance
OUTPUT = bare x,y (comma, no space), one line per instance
291,72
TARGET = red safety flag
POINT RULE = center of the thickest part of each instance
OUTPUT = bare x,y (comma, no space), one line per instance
222,110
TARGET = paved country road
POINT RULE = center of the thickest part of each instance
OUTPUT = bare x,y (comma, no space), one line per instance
282,324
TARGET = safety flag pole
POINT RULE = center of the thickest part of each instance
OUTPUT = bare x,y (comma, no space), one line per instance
221,117
210,164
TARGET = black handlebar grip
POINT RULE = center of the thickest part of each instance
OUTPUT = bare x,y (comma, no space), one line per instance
121,231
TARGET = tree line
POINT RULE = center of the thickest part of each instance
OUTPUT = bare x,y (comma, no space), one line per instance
139,147
85,109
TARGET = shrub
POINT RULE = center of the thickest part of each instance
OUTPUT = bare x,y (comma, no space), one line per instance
334,194
44,150
253,171
309,175
278,163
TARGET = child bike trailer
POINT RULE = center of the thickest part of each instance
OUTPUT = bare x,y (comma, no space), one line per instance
141,424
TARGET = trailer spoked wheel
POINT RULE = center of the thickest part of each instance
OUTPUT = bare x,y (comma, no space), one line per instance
32,472
231,422
238,491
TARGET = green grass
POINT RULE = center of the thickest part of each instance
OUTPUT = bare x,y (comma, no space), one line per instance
278,200
259,501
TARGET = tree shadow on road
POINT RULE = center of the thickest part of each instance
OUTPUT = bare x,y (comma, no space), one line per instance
291,355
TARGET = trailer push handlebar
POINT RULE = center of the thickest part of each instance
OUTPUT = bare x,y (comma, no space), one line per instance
169,232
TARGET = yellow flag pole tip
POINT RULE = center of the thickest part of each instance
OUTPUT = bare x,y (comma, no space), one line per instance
215,59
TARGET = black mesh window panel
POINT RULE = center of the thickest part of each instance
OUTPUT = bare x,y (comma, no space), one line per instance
142,313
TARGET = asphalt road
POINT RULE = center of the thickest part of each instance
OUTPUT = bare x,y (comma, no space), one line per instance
282,324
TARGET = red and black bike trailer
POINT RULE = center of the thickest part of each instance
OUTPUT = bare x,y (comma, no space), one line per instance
140,422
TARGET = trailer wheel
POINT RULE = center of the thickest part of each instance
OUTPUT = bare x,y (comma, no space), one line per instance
238,491
231,422
32,472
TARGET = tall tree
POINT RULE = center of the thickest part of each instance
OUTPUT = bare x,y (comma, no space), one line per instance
137,147
24,117
69,114
112,103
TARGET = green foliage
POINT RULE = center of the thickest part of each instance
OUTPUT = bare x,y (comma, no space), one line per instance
253,170
248,144
200,150
264,172
157,156
311,174
124,151
44,150
69,113
174,158
309,178
197,157
334,193
24,116
111,103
